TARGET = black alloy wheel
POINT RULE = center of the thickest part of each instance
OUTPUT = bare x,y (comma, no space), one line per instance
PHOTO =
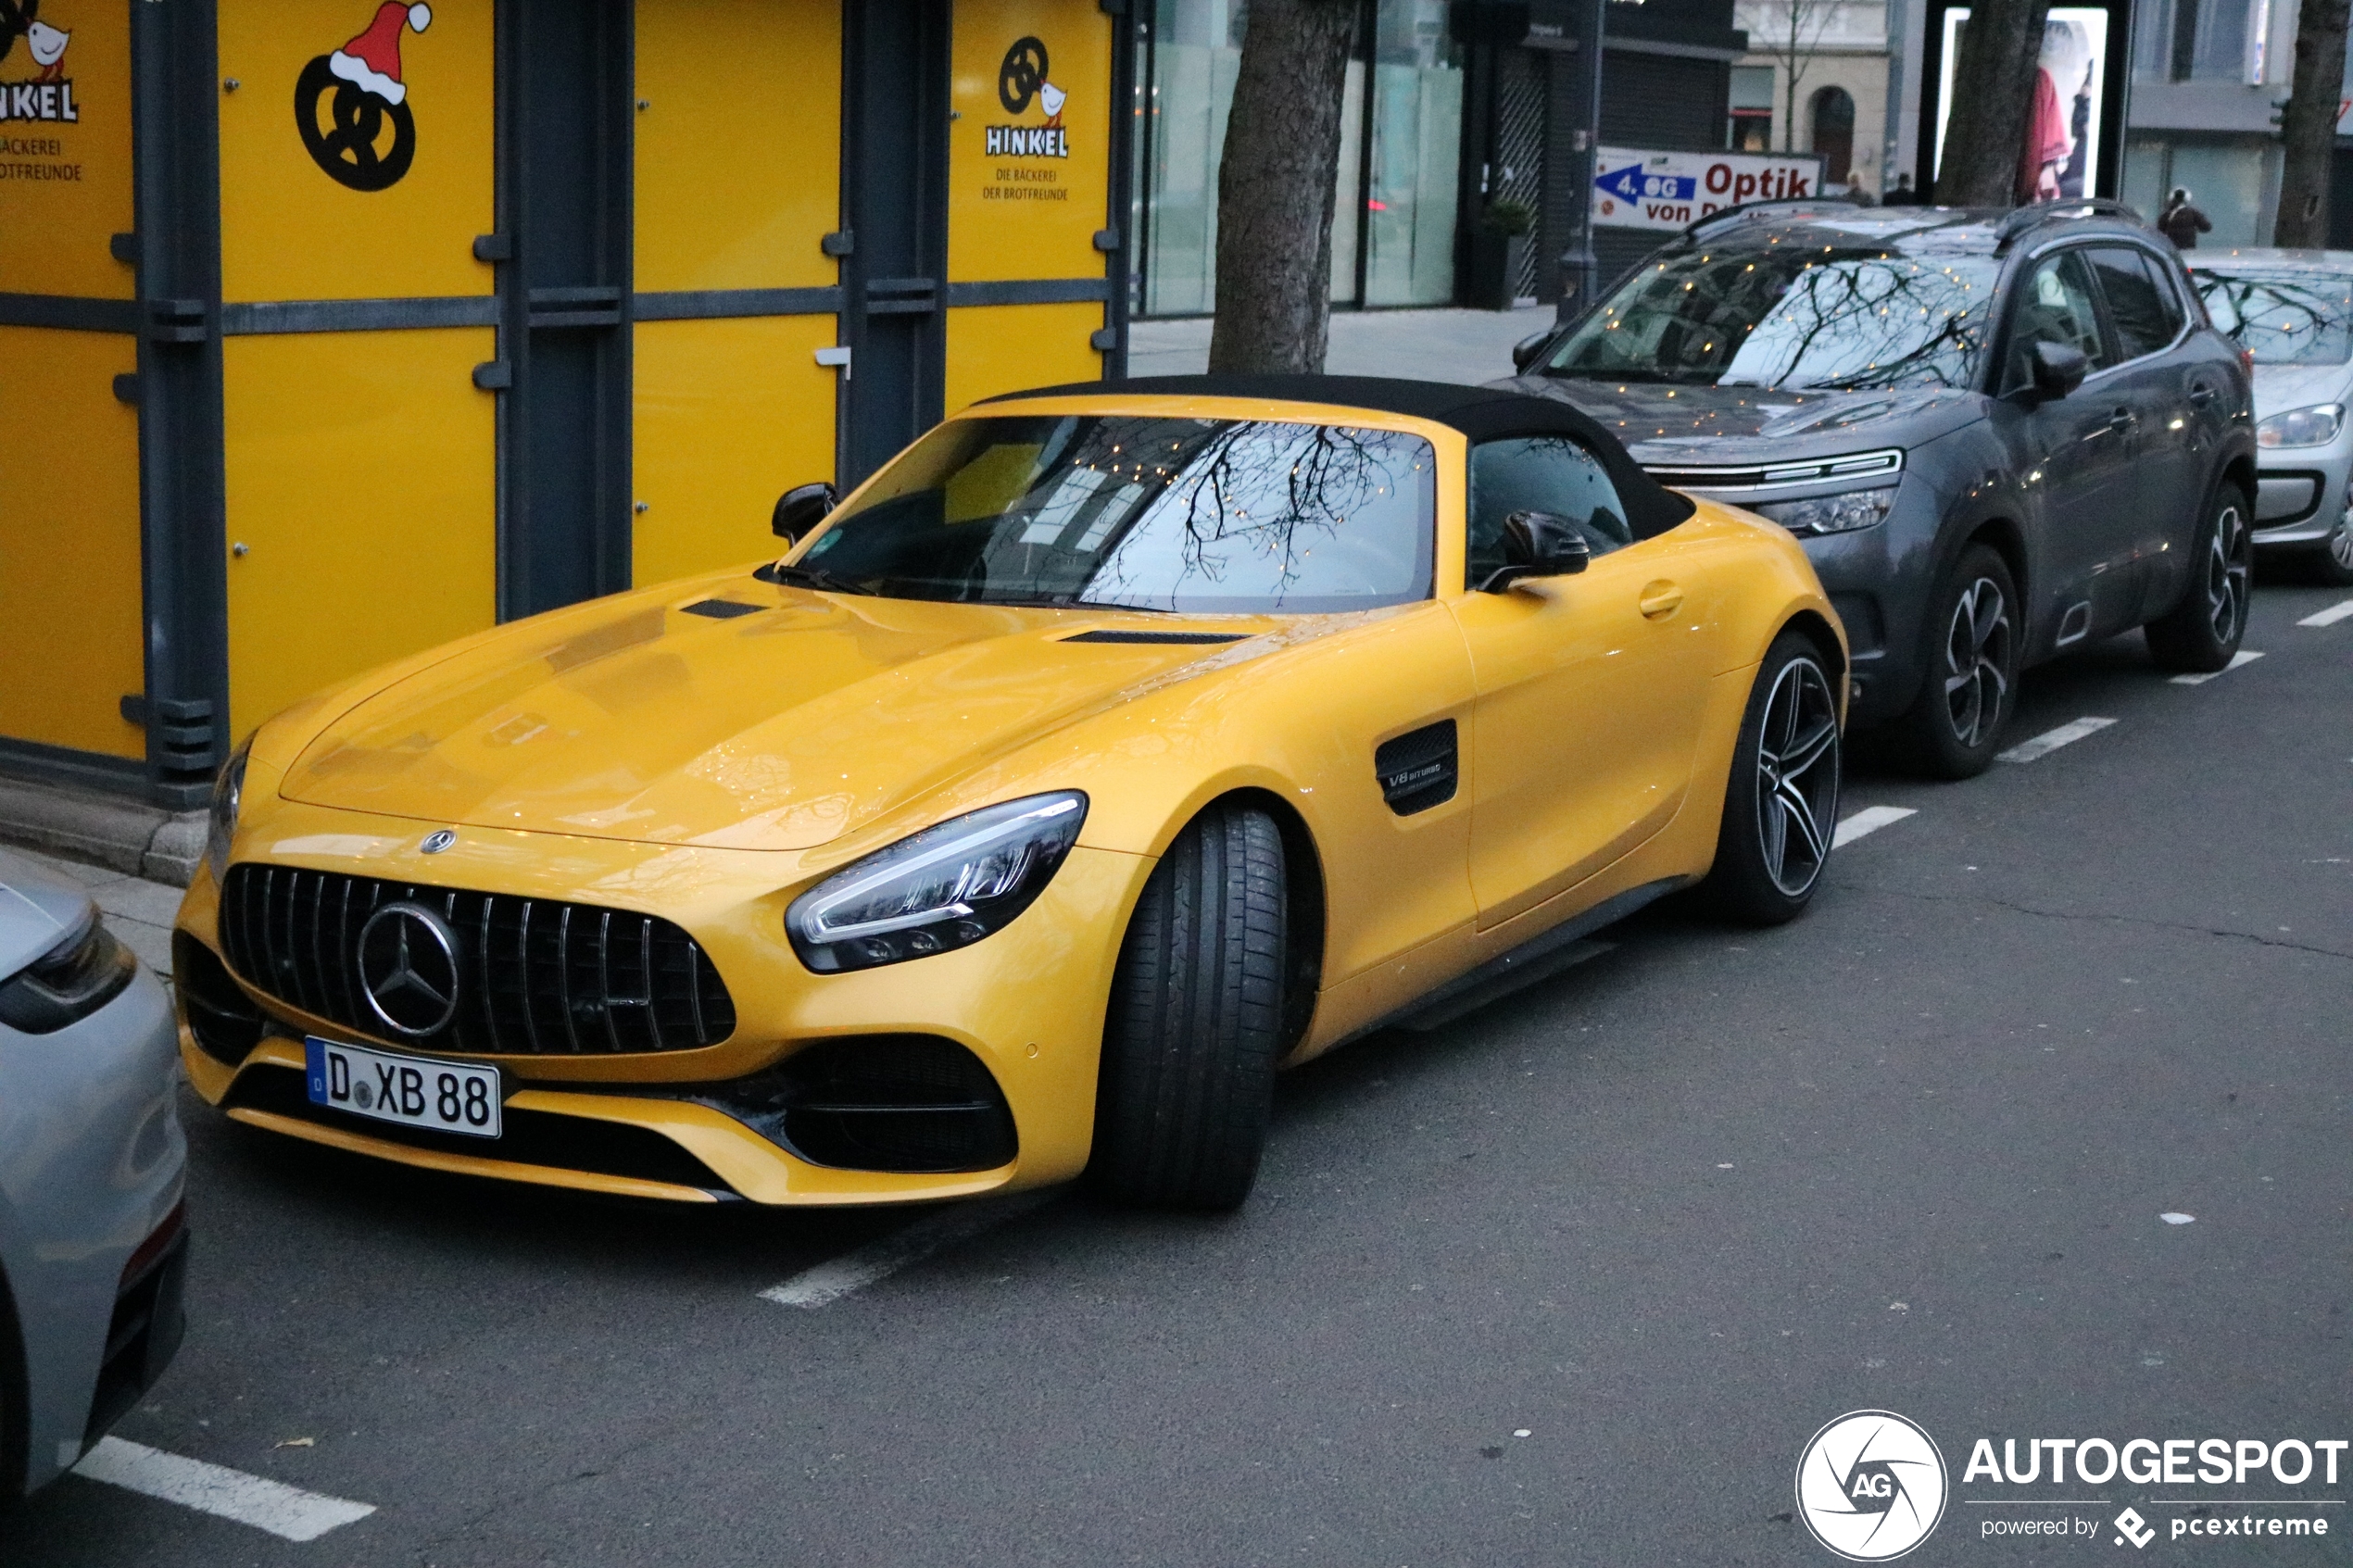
1781,804
1970,685
1196,1019
2202,633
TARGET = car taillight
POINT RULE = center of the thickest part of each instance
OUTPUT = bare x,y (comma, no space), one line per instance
2247,359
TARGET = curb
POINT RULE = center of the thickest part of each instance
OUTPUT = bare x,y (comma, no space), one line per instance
105,830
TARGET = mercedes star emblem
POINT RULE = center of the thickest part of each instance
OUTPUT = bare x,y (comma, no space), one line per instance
409,969
437,840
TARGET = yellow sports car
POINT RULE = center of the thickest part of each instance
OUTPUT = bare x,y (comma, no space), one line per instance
1110,747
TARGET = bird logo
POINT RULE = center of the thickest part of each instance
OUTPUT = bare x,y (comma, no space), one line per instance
1021,82
48,46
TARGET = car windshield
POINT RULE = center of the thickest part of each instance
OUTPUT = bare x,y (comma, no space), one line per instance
1832,318
1223,516
2285,317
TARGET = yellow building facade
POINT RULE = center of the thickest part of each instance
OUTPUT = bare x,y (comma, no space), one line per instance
334,330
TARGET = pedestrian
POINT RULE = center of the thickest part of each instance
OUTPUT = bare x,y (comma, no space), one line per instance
1902,194
2180,222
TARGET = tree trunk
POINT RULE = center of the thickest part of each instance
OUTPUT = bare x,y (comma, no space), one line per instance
2308,126
1275,185
1993,101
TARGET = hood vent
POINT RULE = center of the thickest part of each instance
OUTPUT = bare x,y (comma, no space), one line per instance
1203,638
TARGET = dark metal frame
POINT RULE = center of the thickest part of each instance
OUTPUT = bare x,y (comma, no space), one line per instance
2116,90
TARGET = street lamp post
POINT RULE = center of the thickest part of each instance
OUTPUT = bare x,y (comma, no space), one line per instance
1579,269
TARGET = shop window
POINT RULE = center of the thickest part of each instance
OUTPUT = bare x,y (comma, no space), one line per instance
1833,133
2200,40
1750,125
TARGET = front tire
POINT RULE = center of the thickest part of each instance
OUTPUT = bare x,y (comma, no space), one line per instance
1970,686
2202,633
1195,1023
1780,805
2331,562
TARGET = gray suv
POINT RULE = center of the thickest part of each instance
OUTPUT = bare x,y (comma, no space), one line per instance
2000,435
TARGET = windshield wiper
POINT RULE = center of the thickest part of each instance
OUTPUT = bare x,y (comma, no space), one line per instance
814,577
1064,601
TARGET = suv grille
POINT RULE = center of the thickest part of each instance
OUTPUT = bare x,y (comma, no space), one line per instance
535,976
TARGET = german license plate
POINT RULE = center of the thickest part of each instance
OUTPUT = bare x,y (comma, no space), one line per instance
444,1097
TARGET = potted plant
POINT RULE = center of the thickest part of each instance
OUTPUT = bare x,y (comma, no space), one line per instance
1499,249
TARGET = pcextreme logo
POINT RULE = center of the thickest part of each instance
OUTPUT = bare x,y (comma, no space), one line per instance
1870,1485
48,95
348,142
1021,79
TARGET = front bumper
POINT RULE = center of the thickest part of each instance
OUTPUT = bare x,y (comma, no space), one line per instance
2301,494
93,1164
710,1124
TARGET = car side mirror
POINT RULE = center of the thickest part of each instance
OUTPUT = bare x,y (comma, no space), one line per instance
1523,352
1538,545
801,509
2059,368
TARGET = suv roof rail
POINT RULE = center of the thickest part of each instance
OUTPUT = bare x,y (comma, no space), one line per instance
2035,213
1743,210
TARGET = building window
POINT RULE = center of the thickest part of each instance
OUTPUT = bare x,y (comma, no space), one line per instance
1834,134
2200,40
1749,128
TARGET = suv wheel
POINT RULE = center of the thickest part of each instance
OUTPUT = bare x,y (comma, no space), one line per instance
2202,633
1972,684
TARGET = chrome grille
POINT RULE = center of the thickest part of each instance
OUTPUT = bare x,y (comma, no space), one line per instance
536,976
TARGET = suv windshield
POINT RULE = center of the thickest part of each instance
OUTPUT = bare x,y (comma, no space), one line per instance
1782,319
2287,317
1225,515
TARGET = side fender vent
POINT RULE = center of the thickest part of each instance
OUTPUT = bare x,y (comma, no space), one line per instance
1418,770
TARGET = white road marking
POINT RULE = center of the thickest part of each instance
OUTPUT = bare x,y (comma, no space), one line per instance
2177,1218
288,1512
2330,616
837,1277
2051,740
1868,821
2238,658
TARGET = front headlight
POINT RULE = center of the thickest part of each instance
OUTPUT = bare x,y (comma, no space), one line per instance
946,887
1831,514
228,794
2316,426
68,983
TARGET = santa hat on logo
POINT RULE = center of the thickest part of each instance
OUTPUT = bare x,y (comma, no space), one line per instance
373,61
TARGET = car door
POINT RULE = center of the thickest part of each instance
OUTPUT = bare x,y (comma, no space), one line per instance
1588,687
2155,377
2078,473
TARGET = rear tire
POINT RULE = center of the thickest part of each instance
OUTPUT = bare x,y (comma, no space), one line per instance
1195,1021
1969,687
2202,633
1780,805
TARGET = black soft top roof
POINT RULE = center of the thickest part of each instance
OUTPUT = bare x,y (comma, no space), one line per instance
1480,412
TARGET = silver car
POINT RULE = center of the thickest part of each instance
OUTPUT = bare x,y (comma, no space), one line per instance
2292,309
94,1241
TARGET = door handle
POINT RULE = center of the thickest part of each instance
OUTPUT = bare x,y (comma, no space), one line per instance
1661,598
2121,420
2201,395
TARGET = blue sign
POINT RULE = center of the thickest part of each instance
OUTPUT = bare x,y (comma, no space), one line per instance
1632,184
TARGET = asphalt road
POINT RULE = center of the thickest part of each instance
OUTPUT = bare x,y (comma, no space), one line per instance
1571,1281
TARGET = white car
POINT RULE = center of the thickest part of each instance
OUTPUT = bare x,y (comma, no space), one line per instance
94,1241
2293,310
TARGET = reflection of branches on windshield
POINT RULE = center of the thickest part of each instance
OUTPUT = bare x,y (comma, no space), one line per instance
1865,317
2295,318
1272,490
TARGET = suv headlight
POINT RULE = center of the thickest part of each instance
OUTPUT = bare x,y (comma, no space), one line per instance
68,983
228,794
2316,426
1831,514
945,887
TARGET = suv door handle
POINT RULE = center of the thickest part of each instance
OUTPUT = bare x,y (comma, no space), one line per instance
1660,598
2120,419
2201,395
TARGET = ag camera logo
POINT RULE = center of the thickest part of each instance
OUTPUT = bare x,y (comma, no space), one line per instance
1871,1486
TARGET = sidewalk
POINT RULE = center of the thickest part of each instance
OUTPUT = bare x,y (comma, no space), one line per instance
1454,345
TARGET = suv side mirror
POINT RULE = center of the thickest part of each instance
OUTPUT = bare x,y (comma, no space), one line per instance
801,509
2059,368
1523,352
1538,545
